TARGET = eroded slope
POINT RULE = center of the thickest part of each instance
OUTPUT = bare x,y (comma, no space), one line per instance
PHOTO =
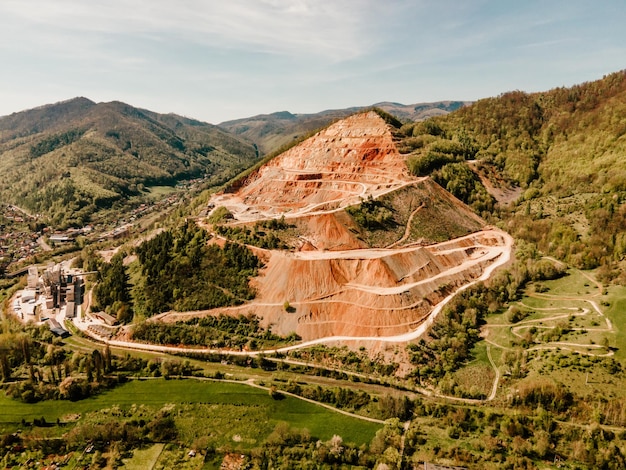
351,159
338,280
368,292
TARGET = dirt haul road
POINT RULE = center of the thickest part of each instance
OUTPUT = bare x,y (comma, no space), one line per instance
501,255
340,290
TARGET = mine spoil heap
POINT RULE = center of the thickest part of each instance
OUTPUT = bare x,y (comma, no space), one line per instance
335,284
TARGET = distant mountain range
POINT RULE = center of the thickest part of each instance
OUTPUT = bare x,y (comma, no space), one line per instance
271,131
71,159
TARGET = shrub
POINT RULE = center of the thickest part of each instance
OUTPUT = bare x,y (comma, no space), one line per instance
219,214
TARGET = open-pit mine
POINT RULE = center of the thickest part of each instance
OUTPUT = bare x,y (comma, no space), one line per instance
334,283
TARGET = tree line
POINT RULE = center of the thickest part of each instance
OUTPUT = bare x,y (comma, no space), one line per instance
220,331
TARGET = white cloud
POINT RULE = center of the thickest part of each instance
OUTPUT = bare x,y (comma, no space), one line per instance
213,58
328,29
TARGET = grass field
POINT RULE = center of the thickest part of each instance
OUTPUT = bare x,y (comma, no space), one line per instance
575,283
616,312
561,335
144,459
228,413
160,191
567,304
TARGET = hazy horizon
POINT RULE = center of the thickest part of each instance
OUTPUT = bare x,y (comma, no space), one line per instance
218,62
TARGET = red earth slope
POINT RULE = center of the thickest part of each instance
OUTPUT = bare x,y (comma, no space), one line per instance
349,160
336,285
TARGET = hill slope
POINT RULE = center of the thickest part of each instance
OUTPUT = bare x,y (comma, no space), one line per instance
349,160
564,150
69,160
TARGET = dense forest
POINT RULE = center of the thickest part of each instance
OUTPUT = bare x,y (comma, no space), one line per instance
176,270
72,160
561,148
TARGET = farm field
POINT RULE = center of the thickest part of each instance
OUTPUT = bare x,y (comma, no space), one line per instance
143,459
218,410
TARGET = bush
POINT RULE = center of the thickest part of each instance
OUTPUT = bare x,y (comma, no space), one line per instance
371,214
163,429
515,315
219,214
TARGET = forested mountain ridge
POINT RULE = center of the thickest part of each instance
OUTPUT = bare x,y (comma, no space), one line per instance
564,149
271,131
70,159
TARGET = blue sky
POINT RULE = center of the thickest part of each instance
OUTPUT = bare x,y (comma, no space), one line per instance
217,60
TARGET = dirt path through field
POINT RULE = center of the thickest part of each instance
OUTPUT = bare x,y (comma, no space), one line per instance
544,323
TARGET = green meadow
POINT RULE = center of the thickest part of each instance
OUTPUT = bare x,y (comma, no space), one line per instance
232,413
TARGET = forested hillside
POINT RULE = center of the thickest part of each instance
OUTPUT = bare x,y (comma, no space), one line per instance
179,270
71,159
563,149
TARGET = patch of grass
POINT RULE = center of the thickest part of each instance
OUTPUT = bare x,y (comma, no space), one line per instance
218,408
575,284
557,305
440,220
177,457
144,459
616,312
160,191
476,378
583,375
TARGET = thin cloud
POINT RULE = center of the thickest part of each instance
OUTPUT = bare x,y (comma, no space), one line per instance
548,43
329,29
215,59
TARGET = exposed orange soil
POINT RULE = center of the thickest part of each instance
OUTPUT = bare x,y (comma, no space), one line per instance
335,284
362,292
347,161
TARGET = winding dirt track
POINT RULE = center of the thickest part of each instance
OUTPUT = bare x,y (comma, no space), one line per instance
407,230
580,348
500,256
576,312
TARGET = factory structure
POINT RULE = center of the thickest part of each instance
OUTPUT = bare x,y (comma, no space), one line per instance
54,291
58,288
